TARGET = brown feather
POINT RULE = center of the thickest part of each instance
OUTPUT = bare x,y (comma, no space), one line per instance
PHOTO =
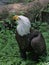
33,42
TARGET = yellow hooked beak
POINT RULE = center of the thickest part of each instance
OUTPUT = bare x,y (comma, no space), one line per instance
15,17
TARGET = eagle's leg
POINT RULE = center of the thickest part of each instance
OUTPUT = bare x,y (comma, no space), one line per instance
35,58
23,54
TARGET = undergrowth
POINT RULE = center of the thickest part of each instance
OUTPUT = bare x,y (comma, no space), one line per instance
9,50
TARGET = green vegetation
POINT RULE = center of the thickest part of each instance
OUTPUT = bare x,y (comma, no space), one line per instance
9,50
46,9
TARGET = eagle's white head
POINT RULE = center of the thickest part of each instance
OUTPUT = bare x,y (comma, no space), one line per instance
24,25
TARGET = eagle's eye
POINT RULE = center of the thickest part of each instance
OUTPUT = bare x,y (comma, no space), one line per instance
15,17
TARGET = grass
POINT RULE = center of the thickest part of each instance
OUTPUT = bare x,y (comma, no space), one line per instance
9,50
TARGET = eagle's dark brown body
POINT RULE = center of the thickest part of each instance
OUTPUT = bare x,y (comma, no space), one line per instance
33,42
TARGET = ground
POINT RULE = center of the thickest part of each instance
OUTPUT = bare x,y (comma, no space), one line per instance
9,50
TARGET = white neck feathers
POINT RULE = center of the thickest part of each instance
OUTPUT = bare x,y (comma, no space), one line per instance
23,27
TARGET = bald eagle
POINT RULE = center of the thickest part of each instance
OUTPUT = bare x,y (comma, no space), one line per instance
29,40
